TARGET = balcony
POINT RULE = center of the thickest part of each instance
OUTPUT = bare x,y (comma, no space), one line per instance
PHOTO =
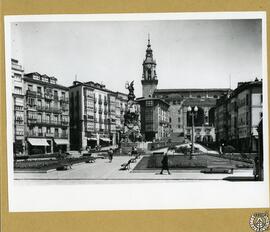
65,123
49,109
39,95
45,122
100,111
49,134
64,99
18,121
61,136
48,96
163,122
31,93
55,97
35,134
19,133
100,101
105,102
31,121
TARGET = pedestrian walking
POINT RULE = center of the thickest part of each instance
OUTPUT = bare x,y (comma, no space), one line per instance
165,163
110,153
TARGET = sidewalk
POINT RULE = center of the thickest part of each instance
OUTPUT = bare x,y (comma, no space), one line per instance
102,170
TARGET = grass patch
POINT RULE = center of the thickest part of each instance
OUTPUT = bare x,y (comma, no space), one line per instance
184,162
47,164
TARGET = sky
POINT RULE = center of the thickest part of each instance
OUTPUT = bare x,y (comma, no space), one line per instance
189,53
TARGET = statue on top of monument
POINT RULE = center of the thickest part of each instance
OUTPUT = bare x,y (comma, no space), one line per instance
130,87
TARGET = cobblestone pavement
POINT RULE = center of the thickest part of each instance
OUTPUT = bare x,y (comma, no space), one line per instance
102,171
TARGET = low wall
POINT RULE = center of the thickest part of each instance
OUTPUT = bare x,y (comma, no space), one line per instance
127,146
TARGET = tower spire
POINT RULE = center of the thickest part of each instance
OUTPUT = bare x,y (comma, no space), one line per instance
149,40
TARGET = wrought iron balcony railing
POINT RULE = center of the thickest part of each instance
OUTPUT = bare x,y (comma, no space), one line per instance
31,93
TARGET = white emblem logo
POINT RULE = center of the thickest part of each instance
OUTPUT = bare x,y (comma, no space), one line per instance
259,222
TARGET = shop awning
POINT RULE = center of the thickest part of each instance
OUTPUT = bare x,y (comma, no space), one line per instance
105,139
38,142
61,141
92,138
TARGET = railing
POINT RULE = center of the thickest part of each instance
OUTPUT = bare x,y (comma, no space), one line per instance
64,99
49,109
35,134
19,133
31,93
47,122
65,123
47,134
39,94
48,96
163,122
16,66
19,121
61,136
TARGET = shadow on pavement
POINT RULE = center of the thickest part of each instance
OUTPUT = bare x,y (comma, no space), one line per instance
239,178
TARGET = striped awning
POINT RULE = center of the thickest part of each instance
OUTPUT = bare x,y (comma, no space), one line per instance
105,139
61,141
38,142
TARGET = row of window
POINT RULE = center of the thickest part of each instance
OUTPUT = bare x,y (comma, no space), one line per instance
45,90
44,79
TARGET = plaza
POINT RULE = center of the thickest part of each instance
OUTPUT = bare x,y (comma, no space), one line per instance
103,171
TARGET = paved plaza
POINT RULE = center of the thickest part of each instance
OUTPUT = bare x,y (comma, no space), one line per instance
102,171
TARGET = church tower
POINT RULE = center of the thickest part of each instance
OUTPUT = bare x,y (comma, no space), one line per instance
149,77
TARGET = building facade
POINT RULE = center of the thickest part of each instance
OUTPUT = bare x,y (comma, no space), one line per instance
180,118
18,121
120,109
178,101
46,114
238,115
96,114
154,118
153,110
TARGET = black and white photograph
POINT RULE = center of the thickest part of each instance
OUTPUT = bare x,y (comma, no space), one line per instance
137,111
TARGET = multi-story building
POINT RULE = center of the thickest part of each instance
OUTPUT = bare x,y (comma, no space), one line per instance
238,115
120,109
154,118
18,107
178,101
46,114
96,114
180,118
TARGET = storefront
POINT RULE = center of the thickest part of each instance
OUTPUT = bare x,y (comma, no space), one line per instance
60,145
104,142
37,146
92,142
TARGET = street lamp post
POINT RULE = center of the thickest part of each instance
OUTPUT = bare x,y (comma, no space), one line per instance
193,112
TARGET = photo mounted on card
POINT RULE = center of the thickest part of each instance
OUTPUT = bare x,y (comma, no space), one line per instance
137,111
